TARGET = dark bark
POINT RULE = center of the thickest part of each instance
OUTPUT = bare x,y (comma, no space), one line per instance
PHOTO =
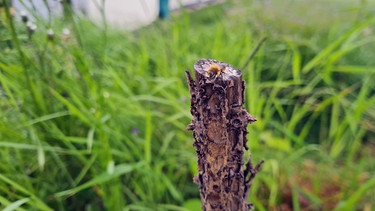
219,129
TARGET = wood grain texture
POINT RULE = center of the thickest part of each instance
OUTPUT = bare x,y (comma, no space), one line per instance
219,129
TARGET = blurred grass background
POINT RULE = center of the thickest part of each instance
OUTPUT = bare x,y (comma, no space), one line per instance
97,121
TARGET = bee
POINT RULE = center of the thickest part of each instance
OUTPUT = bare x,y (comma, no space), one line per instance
214,71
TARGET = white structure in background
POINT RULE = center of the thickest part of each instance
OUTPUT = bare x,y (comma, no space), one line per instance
38,7
127,14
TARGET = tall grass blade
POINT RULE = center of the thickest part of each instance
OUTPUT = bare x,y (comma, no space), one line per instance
100,179
16,205
148,137
38,203
319,58
352,201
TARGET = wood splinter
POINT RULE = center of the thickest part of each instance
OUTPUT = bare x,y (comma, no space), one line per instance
219,129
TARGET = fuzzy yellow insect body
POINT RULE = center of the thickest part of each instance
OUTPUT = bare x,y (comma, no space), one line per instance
214,71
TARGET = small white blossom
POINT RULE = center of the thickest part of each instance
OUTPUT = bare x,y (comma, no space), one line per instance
24,17
66,32
50,34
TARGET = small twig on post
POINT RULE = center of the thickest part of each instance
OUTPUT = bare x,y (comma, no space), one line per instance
219,129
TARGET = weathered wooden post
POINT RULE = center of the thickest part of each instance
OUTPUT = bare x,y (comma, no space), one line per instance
219,129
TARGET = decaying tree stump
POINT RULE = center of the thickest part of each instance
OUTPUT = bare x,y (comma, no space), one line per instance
219,129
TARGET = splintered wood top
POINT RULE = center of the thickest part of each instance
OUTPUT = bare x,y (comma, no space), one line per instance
213,69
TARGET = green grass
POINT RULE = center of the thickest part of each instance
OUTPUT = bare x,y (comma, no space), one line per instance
97,121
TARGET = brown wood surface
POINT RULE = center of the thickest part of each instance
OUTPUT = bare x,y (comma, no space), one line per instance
219,129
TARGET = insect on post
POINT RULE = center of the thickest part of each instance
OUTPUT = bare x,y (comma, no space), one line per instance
219,129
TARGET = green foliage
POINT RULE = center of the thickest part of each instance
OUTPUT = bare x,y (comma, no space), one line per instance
97,120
